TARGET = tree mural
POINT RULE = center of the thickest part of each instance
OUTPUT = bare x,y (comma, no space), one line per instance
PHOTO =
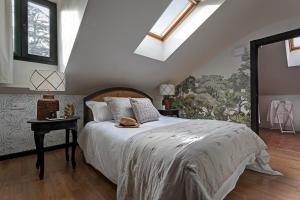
215,97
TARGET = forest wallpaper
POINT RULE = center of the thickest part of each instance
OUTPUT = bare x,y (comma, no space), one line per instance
216,97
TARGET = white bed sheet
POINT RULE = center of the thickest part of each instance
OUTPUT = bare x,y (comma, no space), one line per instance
102,142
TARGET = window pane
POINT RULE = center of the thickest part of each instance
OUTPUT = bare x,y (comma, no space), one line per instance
175,8
297,42
38,30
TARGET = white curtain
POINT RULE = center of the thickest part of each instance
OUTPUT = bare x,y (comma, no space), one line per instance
6,42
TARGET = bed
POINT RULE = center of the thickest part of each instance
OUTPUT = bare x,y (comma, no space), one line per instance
199,159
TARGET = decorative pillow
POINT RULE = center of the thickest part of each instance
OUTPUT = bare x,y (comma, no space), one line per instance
144,110
119,107
100,111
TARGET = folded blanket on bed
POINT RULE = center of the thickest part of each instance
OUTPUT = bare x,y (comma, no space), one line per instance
197,159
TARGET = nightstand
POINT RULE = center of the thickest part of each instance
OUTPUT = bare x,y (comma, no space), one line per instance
43,127
170,113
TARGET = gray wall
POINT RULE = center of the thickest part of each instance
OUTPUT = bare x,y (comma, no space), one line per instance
275,77
277,81
16,109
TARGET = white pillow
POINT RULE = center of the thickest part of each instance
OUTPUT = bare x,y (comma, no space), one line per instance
100,111
144,110
119,107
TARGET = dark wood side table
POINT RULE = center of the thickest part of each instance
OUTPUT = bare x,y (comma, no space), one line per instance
171,112
42,127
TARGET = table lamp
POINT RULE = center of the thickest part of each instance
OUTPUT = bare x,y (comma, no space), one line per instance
167,90
47,80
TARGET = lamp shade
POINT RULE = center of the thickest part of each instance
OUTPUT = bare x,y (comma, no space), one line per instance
47,80
167,89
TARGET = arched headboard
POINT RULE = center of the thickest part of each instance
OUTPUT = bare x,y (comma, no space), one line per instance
110,92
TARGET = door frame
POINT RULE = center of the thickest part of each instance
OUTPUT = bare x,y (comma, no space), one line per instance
254,45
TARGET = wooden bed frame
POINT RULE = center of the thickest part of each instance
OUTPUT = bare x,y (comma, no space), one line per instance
110,92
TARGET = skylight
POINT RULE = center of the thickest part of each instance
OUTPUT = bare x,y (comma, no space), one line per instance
176,24
294,44
292,47
175,13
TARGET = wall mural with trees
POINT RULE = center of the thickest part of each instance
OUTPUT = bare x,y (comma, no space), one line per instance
216,97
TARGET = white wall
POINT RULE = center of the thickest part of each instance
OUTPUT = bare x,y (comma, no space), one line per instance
21,75
23,70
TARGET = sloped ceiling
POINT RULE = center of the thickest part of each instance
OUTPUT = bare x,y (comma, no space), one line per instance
111,30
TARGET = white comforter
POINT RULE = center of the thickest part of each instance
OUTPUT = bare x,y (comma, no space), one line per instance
174,158
190,160
102,143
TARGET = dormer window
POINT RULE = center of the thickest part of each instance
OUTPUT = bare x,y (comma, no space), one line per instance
176,12
294,44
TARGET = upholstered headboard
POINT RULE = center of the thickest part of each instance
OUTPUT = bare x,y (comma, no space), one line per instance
110,92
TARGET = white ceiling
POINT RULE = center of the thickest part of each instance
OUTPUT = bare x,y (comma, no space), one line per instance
111,30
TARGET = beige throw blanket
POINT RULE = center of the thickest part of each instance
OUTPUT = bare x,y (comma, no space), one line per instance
189,160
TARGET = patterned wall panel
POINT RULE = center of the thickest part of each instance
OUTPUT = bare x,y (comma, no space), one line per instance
15,133
216,97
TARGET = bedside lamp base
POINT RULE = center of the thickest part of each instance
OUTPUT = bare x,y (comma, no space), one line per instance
167,102
47,107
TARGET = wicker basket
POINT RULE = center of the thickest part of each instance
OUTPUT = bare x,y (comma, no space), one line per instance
47,107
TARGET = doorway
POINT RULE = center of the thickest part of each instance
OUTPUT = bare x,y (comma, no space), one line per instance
254,49
275,90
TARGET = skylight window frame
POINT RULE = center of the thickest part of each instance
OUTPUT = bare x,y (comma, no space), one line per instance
176,22
292,45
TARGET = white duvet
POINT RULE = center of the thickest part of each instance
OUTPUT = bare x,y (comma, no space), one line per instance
174,158
102,143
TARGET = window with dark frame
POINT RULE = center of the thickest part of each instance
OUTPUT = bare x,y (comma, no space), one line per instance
35,31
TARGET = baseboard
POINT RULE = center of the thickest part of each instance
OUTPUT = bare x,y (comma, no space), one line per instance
30,152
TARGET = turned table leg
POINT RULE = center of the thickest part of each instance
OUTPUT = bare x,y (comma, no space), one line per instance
39,143
74,143
67,144
37,164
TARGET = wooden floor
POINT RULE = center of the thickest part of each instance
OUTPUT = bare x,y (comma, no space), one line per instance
19,178
284,158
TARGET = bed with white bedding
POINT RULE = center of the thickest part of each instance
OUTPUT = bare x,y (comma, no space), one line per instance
174,158
102,143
